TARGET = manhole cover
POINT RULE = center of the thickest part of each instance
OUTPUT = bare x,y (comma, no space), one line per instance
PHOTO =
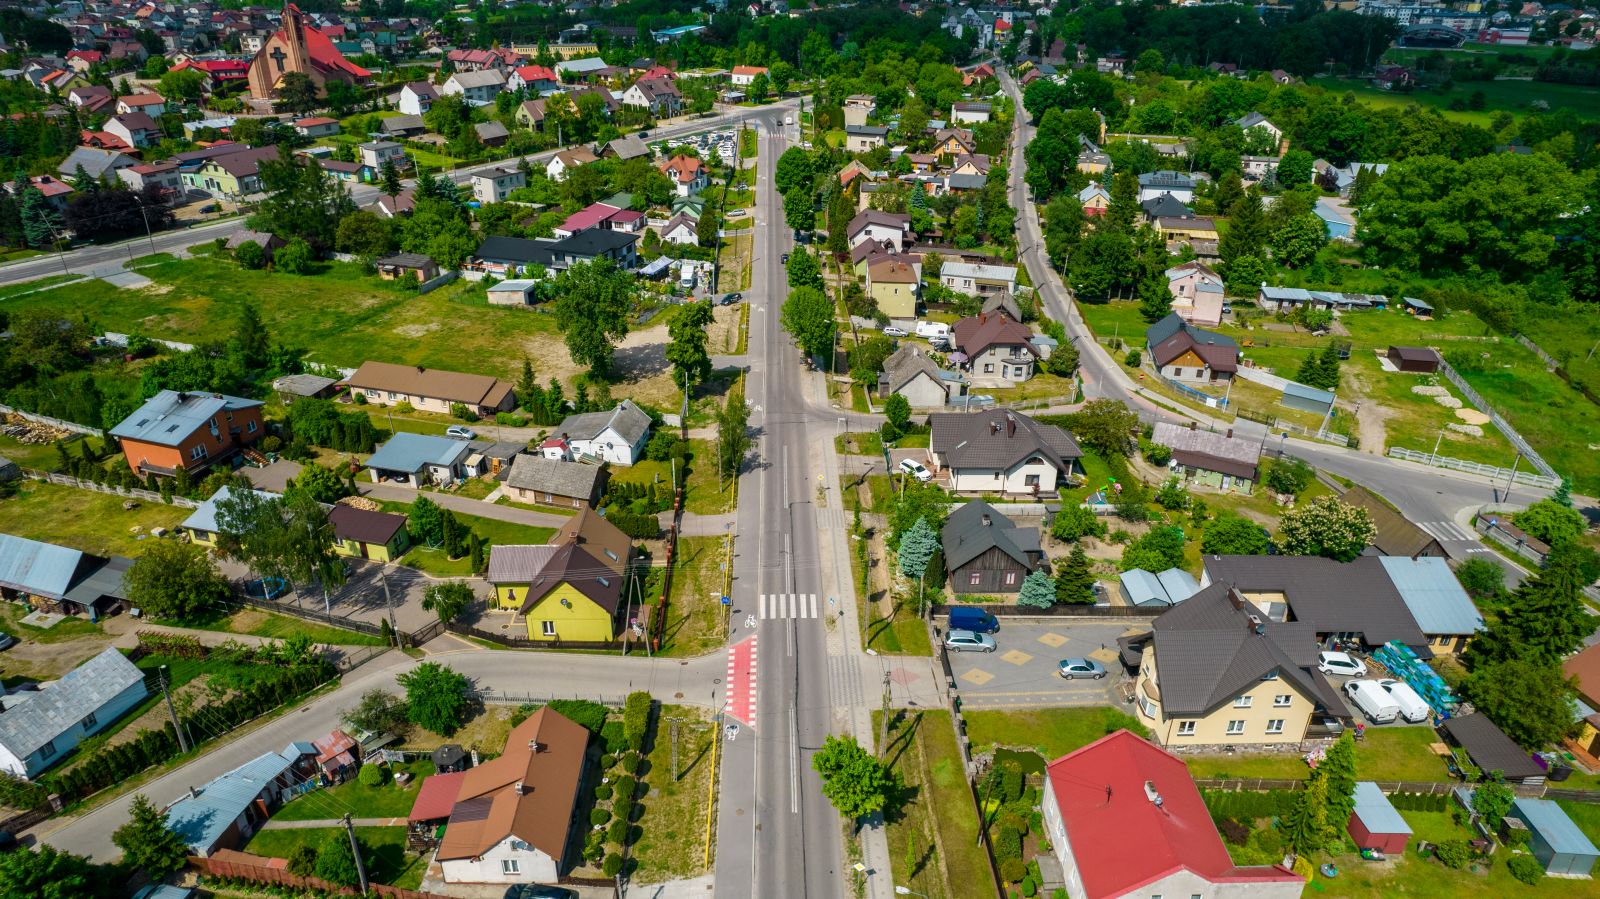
677,696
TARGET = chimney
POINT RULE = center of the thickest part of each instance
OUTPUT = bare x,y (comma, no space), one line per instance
1011,425
193,793
987,520
533,745
994,428
520,788
1151,794
1230,432
1191,425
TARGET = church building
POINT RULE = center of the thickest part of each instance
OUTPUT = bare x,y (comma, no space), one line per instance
298,47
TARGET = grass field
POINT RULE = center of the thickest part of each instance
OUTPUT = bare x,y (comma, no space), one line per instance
1557,420
938,812
1387,753
673,842
694,612
43,456
83,519
390,800
1051,732
434,562
1512,96
12,613
383,850
278,627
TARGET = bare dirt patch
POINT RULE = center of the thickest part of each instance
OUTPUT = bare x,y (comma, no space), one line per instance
1472,416
417,330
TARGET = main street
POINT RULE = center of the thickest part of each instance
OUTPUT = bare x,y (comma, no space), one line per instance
99,260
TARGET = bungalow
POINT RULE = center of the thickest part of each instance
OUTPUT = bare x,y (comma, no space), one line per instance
368,534
861,138
1000,451
984,552
980,281
909,372
477,88
999,349
1197,293
203,527
98,163
893,285
742,76
968,112
352,172
1179,184
1182,352
226,812
431,389
403,126
496,184
617,436
1337,219
687,174
567,160
492,134
163,175
417,459
569,589
554,482
681,230
316,126
1220,461
626,147
1183,229
41,726
393,268
174,430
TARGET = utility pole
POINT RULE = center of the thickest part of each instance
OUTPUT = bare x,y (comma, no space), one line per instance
883,730
388,600
183,740
1511,482
355,849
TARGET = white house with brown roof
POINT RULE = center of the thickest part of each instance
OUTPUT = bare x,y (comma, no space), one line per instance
872,224
1000,451
431,389
742,76
687,174
567,160
659,95
1000,350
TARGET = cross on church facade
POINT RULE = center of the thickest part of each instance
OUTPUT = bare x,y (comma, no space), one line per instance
278,56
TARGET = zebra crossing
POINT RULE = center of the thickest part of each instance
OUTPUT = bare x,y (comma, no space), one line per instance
787,605
1445,531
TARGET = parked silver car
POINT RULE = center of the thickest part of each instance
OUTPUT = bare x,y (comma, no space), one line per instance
967,641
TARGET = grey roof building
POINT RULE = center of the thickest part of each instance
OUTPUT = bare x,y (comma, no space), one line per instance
1331,597
1396,535
539,479
1436,599
38,727
1209,450
169,417
98,163
977,527
997,439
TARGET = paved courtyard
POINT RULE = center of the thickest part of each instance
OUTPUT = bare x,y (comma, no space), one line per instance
1022,671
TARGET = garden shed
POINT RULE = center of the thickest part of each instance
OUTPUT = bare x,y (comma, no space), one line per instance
1491,750
1414,358
1306,399
1375,824
1555,841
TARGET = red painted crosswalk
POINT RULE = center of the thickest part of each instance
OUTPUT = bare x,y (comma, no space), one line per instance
742,681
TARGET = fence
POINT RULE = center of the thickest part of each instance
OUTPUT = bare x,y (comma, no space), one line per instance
1428,787
1262,376
261,874
1550,363
500,697
1071,610
1483,406
1511,537
1532,479
414,638
149,496
72,426
467,630
1213,402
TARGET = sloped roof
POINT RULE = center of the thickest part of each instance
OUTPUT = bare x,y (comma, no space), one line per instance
410,452
44,569
512,563
998,438
32,719
1375,811
527,792
562,478
169,417
1585,668
1554,826
629,421
976,528
1209,450
1434,596
364,525
1333,597
1172,337
1490,748
204,517
904,364
450,386
600,538
977,333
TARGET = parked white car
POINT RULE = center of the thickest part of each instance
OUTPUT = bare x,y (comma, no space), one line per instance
916,469
1341,663
461,431
1412,706
1372,700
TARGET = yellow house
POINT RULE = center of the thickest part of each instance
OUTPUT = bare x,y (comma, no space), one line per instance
367,534
1216,670
202,526
1187,228
893,285
570,589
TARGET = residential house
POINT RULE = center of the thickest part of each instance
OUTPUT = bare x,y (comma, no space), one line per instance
1091,159
225,813
233,174
316,126
59,579
858,107
1220,668
416,98
1253,121
507,254
496,184
1355,602
617,436
39,727
96,162
1182,352
871,224
401,204
134,129
1198,293
92,98
373,154
468,60
1184,229
1258,168
687,174
350,172
1179,184
403,126
554,482
1396,535
393,268
492,134
1005,302
567,160
416,460
1442,609
1392,77
567,590
1094,199
431,389
368,534
601,215
969,112
861,138
534,79
1583,667
893,285
974,164
957,183
912,374
531,114
658,95
1164,206
163,175
984,552
953,142
1124,819
922,163
681,230
625,148
191,431
743,76
999,349
981,281
1220,461
203,527
513,815
152,105
1343,178
1002,452
54,190
1337,219
477,88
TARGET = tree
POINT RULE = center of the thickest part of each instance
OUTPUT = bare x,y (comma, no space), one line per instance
1545,618
249,255
1327,527
436,697
1246,231
148,843
916,550
1528,698
1038,591
840,211
1075,581
1482,579
293,258
686,344
705,230
46,872
1289,476
175,581
1105,426
1233,535
1296,243
302,861
594,299
808,317
447,599
1339,768
300,202
856,783
803,270
41,224
780,75
1492,800
897,415
759,87
795,168
1551,521
389,178
379,711
1155,301
1306,826
1157,549
319,483
1294,169
365,233
733,436
297,92
336,861
798,211
427,521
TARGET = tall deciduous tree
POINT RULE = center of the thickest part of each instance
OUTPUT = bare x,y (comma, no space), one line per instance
808,317
803,270
686,344
175,580
856,783
733,435
592,305
1327,527
447,599
436,697
300,202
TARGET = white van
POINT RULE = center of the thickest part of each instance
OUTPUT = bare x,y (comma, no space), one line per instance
1412,707
1372,700
933,329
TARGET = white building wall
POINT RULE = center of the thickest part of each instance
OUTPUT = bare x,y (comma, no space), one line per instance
1013,480
532,866
608,445
1056,829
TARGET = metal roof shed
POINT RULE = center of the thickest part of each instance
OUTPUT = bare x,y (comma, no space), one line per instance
1434,596
1141,588
1306,399
1178,584
1375,824
1556,842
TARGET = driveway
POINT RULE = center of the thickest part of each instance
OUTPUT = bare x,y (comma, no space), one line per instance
1022,671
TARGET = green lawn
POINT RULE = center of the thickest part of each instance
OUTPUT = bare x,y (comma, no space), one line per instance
1512,96
1586,815
383,850
677,803
1387,754
859,443
903,633
12,290
1557,420
84,519
695,612
1051,732
391,800
434,562
938,812
270,624
707,491
67,629
41,456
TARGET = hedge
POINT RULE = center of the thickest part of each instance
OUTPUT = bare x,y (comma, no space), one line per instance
1247,806
591,715
639,527
636,718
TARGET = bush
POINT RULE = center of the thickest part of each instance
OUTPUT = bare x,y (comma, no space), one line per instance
636,719
598,817
1233,831
511,419
617,833
1008,845
303,860
630,762
603,792
591,715
613,865
594,846
1013,870
271,444
373,775
1453,853
359,398
606,761
463,412
626,787
1133,359
1526,868
611,734
1029,888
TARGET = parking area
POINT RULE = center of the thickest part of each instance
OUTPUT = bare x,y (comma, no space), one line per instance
1022,671
1374,673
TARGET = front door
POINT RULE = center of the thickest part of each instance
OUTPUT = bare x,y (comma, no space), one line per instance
364,550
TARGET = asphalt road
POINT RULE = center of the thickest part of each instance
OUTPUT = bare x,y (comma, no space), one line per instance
777,835
542,675
101,260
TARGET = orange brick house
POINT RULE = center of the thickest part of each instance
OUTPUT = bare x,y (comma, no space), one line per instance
174,430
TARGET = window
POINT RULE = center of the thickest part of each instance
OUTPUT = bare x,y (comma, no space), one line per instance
1236,727
973,579
1186,728
1275,726
89,721
251,428
510,866
197,452
1177,372
1282,702
1147,707
1011,578
1270,675
988,368
48,749
1243,702
548,628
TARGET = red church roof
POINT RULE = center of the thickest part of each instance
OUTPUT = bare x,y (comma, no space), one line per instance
325,54
1121,837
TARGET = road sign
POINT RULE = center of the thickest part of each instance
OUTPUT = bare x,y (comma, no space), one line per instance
727,600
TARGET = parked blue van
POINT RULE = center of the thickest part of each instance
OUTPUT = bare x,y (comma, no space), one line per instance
975,620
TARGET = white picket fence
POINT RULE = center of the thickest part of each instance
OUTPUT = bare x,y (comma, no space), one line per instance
1530,478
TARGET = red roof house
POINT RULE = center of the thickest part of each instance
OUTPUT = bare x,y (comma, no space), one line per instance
1126,819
